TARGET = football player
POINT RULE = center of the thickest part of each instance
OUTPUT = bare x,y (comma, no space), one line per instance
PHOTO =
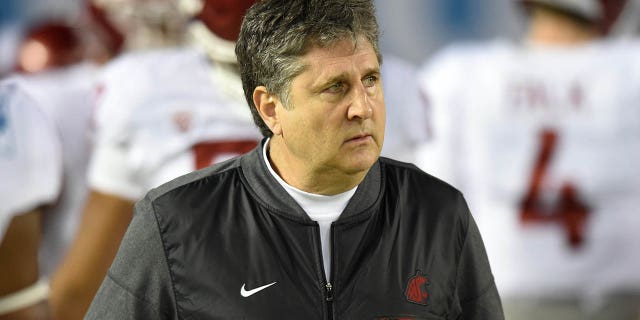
45,177
56,79
543,138
30,170
160,114
44,120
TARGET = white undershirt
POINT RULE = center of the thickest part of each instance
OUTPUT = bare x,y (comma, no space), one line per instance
320,208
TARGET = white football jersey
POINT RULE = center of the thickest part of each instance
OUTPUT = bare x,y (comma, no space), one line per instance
545,144
66,96
406,125
30,156
165,113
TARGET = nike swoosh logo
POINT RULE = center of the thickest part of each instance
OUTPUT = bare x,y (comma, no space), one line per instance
248,293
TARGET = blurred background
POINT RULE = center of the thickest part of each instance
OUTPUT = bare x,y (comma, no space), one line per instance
415,29
17,16
413,33
410,29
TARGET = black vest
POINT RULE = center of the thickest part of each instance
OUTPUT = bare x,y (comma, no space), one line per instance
237,246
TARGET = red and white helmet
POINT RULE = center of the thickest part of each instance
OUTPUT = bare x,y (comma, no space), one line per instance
216,25
49,45
144,23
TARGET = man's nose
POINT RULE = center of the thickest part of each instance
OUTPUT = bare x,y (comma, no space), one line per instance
360,104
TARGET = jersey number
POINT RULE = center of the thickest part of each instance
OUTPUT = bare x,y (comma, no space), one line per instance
208,153
567,210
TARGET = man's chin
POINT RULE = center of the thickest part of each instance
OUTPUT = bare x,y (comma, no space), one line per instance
359,162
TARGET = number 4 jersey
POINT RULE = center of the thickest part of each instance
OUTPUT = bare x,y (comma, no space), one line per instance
545,144
165,113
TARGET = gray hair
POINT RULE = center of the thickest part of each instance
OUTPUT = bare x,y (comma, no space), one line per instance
275,34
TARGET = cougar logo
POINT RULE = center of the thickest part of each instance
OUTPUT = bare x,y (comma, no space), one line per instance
417,289
183,121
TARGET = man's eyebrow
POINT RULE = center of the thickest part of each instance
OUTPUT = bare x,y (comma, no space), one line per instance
372,70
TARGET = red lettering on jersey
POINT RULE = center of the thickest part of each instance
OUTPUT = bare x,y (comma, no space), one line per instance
417,289
206,153
534,95
528,94
568,210
537,96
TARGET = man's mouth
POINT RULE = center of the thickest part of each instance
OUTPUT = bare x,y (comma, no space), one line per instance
359,138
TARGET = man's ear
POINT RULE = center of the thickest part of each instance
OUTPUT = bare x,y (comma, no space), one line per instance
266,104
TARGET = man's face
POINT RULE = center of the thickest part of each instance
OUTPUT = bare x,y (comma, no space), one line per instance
336,119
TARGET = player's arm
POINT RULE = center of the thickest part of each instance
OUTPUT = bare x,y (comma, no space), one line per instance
104,222
109,204
22,296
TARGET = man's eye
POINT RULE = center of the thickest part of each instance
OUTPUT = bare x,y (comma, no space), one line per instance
335,88
370,81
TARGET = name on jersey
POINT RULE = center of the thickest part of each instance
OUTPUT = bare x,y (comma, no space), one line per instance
538,96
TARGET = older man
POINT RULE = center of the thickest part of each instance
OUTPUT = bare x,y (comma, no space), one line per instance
311,224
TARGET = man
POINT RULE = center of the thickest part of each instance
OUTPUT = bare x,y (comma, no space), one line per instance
311,224
160,114
542,138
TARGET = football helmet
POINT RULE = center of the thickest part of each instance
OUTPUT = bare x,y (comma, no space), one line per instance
216,25
145,23
49,45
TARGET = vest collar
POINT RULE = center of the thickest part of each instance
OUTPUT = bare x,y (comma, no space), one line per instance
272,195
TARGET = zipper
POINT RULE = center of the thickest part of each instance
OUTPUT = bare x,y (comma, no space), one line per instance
329,290
328,287
329,299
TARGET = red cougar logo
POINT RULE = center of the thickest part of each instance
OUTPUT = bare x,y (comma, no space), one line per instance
417,289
